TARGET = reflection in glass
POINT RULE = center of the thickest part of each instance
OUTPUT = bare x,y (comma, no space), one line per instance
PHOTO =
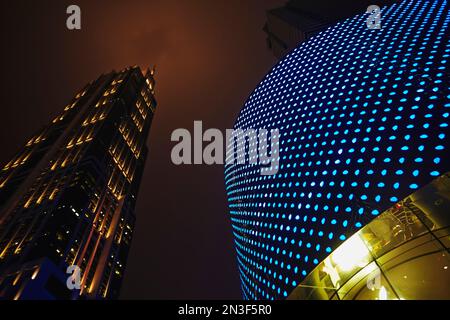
402,254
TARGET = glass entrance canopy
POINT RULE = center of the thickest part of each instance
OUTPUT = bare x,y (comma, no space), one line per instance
403,254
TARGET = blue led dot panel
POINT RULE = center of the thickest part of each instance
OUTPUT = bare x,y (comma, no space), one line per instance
363,118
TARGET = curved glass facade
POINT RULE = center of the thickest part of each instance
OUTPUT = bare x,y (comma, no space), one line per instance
363,122
402,254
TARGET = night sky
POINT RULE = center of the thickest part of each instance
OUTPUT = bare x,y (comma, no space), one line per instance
209,56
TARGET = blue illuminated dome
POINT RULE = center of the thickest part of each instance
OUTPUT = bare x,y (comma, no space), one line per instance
363,118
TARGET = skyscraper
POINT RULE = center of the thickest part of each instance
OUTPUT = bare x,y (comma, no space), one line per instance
68,197
299,20
363,117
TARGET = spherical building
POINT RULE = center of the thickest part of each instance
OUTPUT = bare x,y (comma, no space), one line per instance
363,121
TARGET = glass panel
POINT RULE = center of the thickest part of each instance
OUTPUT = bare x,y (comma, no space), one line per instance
410,251
363,278
378,289
433,202
348,259
444,236
391,229
425,277
409,242
317,286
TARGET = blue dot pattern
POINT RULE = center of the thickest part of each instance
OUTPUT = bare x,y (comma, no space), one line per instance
363,121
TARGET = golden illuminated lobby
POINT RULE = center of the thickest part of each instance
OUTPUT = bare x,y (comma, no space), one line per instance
403,254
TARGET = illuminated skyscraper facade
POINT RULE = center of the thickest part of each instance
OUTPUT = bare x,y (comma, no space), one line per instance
363,117
68,197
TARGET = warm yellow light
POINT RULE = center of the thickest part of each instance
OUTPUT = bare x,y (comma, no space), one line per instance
30,142
17,296
8,165
17,279
332,272
26,158
16,163
352,253
54,165
2,184
53,194
41,197
382,295
63,165
35,273
27,204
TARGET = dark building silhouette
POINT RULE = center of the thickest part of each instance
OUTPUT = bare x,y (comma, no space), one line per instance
299,20
68,196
